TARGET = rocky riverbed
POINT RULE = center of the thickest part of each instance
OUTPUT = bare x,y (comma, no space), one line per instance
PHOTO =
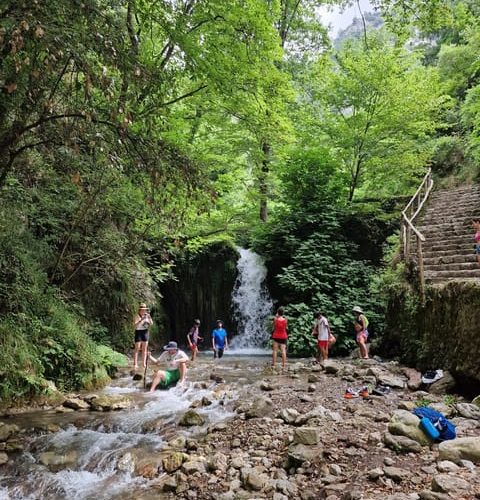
240,431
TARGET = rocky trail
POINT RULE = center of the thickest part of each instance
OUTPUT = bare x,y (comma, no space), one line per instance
285,436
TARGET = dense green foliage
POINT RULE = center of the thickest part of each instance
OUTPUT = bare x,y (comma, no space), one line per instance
132,131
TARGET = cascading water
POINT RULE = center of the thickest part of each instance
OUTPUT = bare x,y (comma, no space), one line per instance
251,302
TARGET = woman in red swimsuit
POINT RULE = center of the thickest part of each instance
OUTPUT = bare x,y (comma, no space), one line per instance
279,337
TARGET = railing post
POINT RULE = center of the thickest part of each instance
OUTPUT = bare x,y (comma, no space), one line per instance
421,270
407,244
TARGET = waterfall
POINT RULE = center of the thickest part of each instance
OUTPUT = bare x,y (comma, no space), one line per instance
251,302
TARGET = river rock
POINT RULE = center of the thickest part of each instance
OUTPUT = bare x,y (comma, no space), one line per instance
401,444
169,484
404,423
126,463
111,403
179,442
255,480
260,407
149,466
468,410
266,386
447,410
466,448
191,418
76,404
218,462
307,435
391,380
299,453
7,430
289,415
433,495
56,461
396,473
331,366
443,386
3,458
414,378
374,474
447,466
446,483
173,461
193,466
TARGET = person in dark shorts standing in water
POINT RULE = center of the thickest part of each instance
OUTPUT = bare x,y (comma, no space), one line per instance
219,340
279,337
193,336
141,323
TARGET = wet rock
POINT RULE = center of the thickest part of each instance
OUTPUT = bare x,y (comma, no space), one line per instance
447,466
56,461
3,458
312,378
468,410
447,410
466,448
126,463
454,486
401,444
76,404
299,453
433,495
173,461
191,418
396,473
404,423
205,401
111,403
414,378
289,415
307,435
443,386
406,405
217,378
7,430
63,409
150,466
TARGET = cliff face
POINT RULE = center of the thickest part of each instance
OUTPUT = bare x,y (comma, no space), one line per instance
442,333
202,290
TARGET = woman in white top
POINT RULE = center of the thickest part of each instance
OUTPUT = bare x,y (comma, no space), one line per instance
141,322
322,331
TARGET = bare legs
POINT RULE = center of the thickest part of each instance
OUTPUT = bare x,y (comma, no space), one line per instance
160,376
283,351
363,347
322,353
194,349
143,347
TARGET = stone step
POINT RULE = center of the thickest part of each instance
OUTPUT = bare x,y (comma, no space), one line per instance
448,239
453,224
460,190
455,266
443,281
435,254
455,208
434,259
466,273
434,218
442,234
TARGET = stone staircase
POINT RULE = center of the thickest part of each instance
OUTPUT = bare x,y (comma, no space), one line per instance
447,227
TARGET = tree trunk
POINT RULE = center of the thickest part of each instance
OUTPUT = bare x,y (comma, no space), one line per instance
264,181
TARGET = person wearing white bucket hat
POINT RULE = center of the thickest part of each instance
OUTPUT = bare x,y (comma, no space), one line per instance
176,361
361,331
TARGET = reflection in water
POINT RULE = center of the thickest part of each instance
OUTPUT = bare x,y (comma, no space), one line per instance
99,449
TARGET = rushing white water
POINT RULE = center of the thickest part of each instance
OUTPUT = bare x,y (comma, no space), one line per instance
251,302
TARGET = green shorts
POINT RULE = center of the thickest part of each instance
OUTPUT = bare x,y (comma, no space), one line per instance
171,378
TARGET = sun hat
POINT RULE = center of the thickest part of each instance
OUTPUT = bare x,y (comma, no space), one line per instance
170,345
357,310
143,306
197,321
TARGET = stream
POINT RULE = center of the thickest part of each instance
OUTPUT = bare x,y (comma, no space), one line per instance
93,448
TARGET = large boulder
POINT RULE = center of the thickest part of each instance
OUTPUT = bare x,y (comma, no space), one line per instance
443,386
414,378
173,461
466,448
455,486
404,423
331,366
191,418
391,380
468,410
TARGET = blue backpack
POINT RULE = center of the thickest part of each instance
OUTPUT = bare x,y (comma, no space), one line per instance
444,426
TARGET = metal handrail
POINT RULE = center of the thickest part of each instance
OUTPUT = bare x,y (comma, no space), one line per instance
408,226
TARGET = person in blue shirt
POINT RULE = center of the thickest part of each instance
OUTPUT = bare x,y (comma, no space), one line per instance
219,340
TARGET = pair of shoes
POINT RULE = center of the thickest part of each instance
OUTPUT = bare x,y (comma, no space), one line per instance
364,392
432,376
350,393
381,390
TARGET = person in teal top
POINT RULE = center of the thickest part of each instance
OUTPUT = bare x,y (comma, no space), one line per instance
219,340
